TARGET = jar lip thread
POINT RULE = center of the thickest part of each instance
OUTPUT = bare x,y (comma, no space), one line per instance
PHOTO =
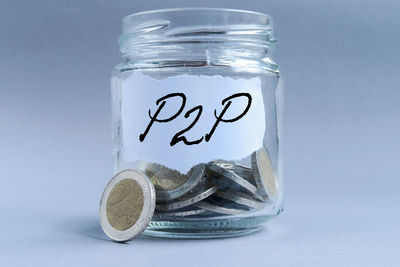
191,34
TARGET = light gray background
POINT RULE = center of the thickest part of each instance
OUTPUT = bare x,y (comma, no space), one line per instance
341,64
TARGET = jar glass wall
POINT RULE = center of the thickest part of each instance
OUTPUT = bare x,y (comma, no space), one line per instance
195,108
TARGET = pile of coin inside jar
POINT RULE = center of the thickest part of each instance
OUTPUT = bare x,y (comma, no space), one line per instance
213,189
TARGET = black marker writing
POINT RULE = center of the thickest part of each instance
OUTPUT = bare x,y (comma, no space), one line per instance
220,116
155,117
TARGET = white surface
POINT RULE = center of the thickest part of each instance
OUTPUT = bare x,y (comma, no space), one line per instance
311,232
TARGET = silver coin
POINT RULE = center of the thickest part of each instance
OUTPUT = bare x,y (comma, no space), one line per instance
184,213
245,172
265,175
127,205
170,184
219,209
192,197
241,199
242,171
227,173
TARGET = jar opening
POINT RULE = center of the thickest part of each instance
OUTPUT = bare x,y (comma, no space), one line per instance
196,34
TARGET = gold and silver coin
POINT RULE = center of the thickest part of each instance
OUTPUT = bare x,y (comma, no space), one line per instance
171,184
265,175
127,205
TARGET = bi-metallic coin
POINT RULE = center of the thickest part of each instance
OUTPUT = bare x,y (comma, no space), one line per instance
127,205
265,176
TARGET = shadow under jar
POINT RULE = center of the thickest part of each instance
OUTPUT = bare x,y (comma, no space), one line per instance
195,108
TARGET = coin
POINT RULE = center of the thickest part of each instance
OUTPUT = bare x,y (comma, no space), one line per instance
245,172
240,198
171,184
264,175
225,172
203,191
242,171
182,213
127,205
214,207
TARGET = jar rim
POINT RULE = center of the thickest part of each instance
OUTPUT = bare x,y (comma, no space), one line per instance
186,9
148,21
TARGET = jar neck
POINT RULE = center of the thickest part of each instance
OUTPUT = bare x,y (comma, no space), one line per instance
197,38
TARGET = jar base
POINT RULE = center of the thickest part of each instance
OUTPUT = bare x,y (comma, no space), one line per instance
201,234
206,228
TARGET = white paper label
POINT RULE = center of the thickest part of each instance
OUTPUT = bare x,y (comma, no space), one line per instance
186,120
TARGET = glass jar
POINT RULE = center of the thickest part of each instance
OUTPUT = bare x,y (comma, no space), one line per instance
195,108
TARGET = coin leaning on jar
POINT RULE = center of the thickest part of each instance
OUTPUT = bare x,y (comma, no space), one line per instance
171,184
127,205
264,175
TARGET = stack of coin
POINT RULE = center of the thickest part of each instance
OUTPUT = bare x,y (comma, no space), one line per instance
217,188
213,189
